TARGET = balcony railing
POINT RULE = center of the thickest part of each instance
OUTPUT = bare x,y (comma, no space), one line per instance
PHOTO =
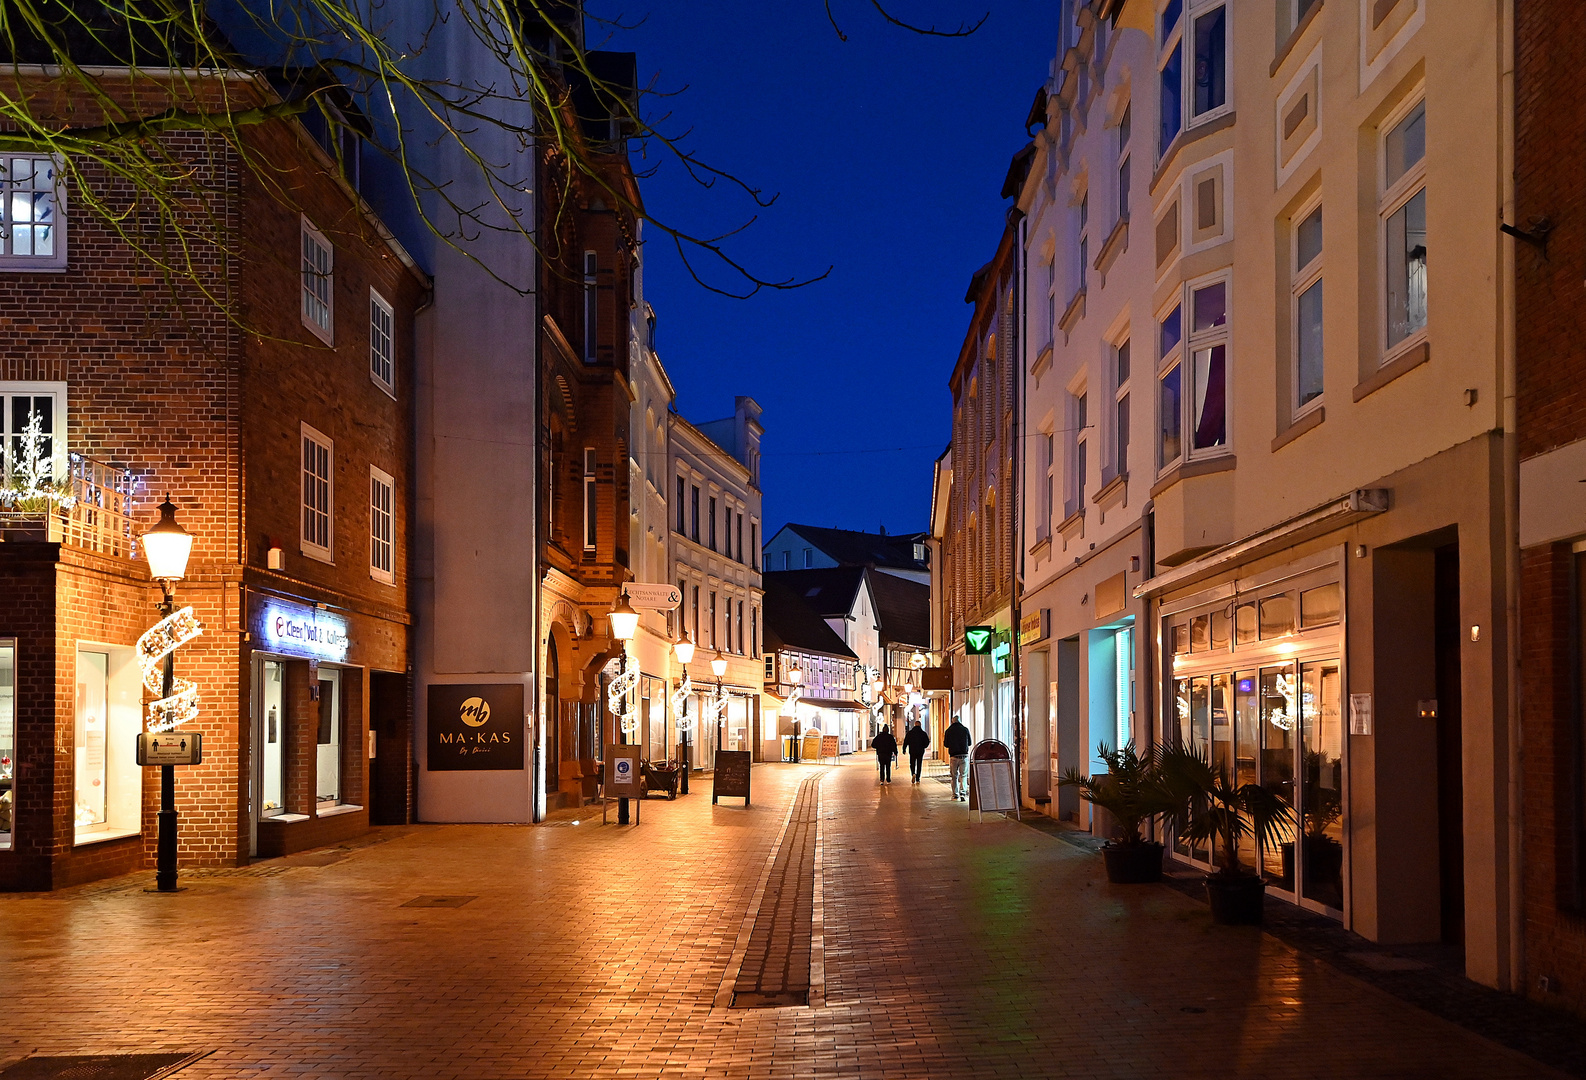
93,514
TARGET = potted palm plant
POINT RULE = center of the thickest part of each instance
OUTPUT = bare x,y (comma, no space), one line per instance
1207,806
1132,793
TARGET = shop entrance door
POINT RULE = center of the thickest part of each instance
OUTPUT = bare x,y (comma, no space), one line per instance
390,767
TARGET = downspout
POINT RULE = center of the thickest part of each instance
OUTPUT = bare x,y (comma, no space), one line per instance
1015,498
1512,975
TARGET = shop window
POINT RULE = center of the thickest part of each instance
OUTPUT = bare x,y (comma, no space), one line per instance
1320,606
8,742
31,233
1402,211
1219,630
318,491
327,758
1277,617
1245,624
381,531
319,300
272,739
1200,634
382,336
108,783
1305,311
1181,639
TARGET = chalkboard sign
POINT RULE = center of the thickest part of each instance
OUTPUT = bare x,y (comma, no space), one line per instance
732,775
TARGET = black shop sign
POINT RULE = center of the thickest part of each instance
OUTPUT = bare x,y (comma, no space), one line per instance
474,727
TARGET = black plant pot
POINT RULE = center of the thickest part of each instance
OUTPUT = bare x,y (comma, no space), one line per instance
1133,864
1236,901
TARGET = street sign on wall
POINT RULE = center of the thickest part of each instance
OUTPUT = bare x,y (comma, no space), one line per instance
653,597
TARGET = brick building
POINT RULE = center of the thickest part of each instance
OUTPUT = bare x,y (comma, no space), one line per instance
282,435
587,260
1550,327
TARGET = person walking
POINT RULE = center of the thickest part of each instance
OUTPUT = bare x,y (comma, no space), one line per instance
886,748
956,739
915,742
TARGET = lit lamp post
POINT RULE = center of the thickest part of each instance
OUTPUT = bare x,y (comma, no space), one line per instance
624,624
166,546
718,667
795,676
685,654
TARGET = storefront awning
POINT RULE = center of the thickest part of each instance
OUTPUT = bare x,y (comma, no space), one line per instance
833,703
1320,521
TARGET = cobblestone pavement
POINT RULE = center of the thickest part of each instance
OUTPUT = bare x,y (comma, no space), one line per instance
950,949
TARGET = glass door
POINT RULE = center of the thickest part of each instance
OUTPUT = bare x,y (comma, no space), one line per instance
1321,785
1278,722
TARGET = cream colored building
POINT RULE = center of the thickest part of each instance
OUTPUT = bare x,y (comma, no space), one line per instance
714,544
1320,432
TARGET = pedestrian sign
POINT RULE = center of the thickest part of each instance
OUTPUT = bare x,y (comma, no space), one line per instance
978,639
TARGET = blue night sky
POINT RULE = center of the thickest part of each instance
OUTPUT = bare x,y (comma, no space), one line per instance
889,151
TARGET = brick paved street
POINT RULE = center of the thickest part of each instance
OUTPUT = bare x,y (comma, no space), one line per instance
947,948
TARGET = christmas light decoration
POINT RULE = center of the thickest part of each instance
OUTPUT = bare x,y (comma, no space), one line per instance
159,641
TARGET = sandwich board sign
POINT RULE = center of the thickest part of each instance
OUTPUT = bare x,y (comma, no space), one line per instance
991,778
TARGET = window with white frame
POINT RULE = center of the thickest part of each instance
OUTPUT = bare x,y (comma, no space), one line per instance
318,491
1120,427
1080,414
382,339
591,306
1170,384
1305,309
1208,346
1402,210
1197,91
591,501
1124,125
1084,238
33,421
1051,299
318,277
1047,478
382,534
31,234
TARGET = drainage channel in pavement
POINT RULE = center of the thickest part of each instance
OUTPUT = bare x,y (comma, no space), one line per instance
776,969
100,1066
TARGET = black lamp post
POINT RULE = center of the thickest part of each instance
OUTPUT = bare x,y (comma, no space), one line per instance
718,667
166,546
624,624
685,653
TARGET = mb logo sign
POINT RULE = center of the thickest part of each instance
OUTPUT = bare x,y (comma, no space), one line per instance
978,639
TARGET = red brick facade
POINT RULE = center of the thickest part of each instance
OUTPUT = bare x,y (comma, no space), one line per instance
161,383
1550,350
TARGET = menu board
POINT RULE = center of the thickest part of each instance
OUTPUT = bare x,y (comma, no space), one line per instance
732,775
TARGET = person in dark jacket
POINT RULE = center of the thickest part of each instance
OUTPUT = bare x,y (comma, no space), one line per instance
886,748
915,742
956,739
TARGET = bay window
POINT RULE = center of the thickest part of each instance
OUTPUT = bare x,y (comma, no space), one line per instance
1198,92
1192,404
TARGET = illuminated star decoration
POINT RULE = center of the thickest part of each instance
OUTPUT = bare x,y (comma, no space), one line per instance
158,642
685,723
621,699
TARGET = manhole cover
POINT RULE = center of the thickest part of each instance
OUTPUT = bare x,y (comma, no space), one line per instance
98,1067
439,901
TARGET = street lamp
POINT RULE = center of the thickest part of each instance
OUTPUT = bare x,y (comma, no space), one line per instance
166,546
624,624
684,649
718,667
795,676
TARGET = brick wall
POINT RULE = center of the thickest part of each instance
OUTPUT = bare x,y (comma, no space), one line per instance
1550,346
206,404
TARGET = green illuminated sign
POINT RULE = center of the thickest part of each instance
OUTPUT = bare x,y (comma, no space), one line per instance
999,657
977,639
